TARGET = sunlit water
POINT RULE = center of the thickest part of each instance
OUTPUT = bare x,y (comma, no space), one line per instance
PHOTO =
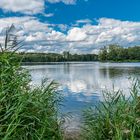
82,83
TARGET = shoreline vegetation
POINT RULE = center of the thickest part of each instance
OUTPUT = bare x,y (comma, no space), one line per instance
32,113
116,118
26,113
111,53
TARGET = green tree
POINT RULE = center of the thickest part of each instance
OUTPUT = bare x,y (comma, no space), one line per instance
103,55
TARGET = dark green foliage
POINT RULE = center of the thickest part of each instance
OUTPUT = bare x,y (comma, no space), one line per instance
25,113
118,53
103,56
111,53
54,57
116,118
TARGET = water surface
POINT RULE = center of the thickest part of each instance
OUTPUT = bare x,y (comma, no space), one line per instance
82,83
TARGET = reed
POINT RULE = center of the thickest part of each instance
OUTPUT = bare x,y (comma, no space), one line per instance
116,118
25,113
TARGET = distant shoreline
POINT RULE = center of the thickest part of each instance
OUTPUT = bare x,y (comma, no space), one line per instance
75,62
64,62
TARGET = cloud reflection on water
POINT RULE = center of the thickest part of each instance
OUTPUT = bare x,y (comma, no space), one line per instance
87,78
82,83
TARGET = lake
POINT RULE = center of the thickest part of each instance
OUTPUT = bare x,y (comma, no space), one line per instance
82,83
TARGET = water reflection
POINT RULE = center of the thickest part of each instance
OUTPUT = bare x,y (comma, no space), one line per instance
82,83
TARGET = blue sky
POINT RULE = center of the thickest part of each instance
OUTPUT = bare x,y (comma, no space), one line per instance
94,9
82,26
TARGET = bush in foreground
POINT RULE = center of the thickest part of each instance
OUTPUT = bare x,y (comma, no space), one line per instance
117,118
25,113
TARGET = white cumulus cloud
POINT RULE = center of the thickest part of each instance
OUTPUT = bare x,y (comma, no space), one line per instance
23,6
29,7
89,38
76,34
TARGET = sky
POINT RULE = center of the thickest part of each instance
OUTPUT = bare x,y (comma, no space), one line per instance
78,26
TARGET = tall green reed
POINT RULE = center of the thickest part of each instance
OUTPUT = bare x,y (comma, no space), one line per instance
116,118
25,113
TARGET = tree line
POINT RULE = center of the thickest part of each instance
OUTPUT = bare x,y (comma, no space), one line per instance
55,57
118,53
107,53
